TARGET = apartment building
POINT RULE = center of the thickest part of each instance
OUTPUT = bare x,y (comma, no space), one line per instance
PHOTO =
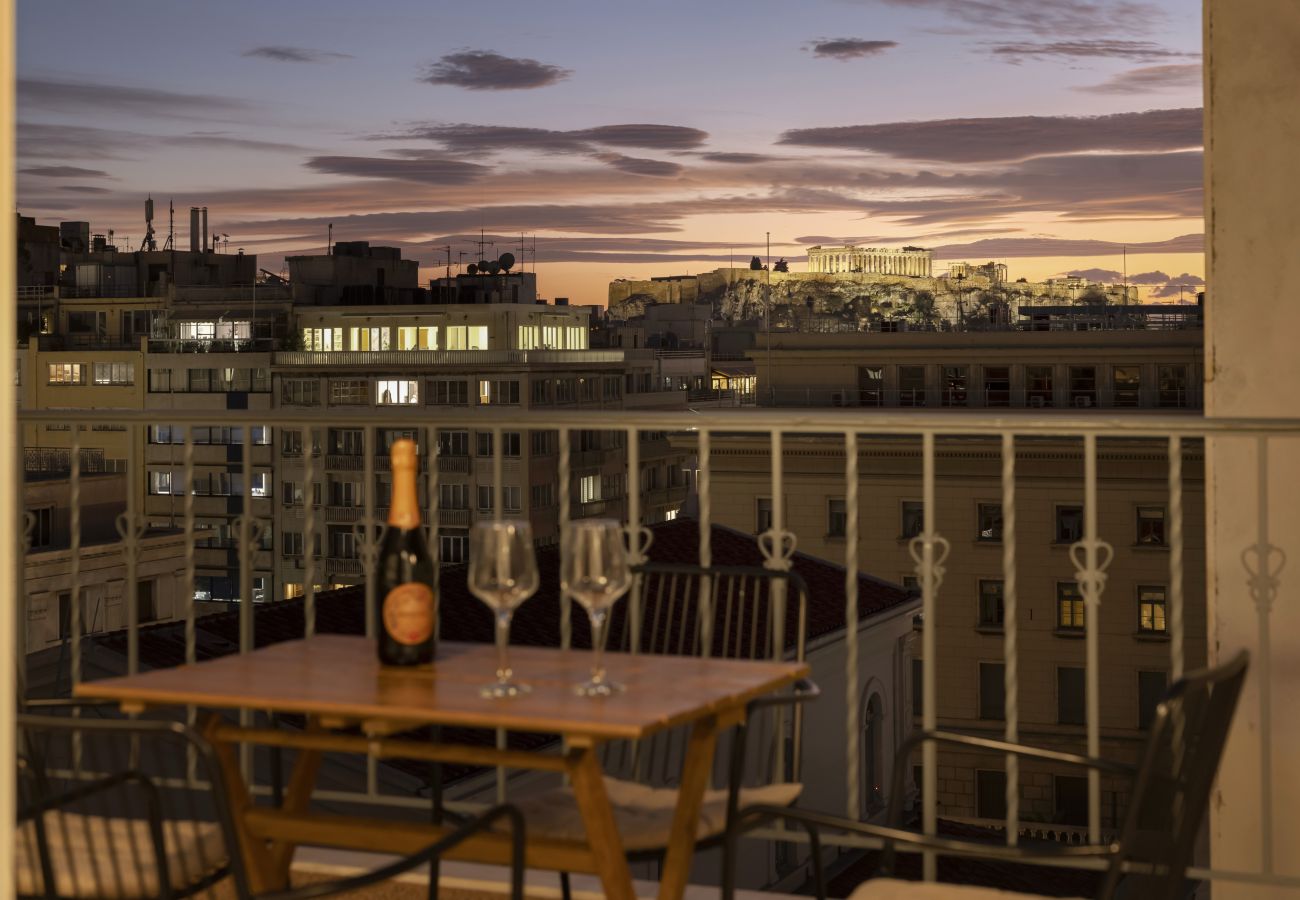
1139,368
445,360
1134,627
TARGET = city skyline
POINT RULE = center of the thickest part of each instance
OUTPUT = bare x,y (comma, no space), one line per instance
1049,135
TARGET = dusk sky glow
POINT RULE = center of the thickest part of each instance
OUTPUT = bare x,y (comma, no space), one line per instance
633,139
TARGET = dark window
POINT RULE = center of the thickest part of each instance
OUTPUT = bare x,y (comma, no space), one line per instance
1083,386
955,379
990,794
911,385
992,693
1151,690
836,517
991,604
65,615
43,527
871,385
990,522
1151,609
1127,383
453,443
1069,524
913,518
1070,696
997,386
1071,801
1069,606
453,548
1039,386
1151,525
918,675
762,514
146,603
1173,386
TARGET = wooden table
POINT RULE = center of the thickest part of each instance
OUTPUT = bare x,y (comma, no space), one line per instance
337,682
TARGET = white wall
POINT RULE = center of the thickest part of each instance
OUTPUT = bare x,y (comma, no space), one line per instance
1253,367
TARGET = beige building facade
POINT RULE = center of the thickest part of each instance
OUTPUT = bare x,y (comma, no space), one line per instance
1040,370
1134,631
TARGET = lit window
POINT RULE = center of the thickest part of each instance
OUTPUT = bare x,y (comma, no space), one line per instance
589,488
1069,607
114,373
67,373
397,392
1151,610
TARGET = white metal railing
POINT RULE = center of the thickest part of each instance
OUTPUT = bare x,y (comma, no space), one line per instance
851,430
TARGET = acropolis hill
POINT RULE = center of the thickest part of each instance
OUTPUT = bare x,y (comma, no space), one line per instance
738,294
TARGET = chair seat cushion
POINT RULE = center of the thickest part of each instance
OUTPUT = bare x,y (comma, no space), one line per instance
894,889
96,856
644,814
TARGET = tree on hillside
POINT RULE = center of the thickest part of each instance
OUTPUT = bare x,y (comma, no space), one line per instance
780,266
756,264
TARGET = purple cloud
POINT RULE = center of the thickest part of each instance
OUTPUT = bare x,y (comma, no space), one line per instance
483,70
1149,80
1100,48
280,53
849,48
1012,137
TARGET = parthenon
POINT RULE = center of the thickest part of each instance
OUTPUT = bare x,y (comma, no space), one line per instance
913,261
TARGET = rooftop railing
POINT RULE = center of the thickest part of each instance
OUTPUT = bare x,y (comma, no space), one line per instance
769,443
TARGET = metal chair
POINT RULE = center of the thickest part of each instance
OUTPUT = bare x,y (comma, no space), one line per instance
133,808
1170,791
752,613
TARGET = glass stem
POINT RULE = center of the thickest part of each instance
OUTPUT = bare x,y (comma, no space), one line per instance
503,647
598,646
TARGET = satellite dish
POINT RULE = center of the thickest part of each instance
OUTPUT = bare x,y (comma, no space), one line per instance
482,265
507,261
471,269
493,268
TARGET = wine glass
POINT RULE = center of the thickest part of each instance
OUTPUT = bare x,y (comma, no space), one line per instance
595,571
503,574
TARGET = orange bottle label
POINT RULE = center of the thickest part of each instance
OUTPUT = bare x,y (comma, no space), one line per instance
408,613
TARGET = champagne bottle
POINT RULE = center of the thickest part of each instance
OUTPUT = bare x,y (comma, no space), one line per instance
409,605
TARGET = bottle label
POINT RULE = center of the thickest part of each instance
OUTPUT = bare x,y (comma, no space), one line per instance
408,613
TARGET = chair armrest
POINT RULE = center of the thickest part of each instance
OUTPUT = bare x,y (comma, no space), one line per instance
812,821
428,854
1057,756
803,690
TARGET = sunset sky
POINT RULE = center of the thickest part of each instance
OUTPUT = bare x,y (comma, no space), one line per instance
633,139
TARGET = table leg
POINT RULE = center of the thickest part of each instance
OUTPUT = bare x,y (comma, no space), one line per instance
259,863
697,770
598,820
297,797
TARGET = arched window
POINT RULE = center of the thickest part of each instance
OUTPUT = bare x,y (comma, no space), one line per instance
873,746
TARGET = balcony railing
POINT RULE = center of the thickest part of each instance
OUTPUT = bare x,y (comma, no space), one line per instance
769,455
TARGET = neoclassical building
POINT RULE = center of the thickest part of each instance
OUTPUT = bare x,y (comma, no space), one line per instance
912,261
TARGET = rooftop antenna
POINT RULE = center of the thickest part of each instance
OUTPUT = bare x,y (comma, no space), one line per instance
171,225
329,240
148,243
